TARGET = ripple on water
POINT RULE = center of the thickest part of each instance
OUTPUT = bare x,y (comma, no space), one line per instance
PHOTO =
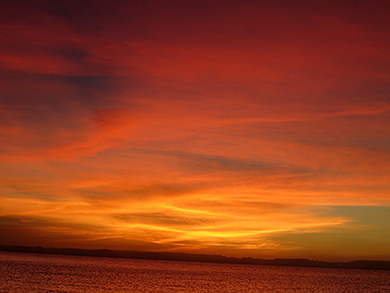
22,272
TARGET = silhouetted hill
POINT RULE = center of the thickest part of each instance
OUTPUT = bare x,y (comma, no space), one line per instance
359,264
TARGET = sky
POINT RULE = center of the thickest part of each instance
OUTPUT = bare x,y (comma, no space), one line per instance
241,128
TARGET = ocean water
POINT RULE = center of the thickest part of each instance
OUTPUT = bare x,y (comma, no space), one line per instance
24,272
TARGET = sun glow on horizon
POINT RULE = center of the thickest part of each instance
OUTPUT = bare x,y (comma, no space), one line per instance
245,128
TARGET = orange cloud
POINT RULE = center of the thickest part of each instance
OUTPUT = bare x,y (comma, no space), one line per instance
230,129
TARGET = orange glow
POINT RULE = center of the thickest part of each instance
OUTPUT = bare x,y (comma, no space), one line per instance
239,129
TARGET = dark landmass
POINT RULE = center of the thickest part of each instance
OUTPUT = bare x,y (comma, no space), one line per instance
358,264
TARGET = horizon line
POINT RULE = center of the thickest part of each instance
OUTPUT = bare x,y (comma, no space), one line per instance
194,257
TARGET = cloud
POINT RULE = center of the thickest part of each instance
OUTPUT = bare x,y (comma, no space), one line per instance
215,162
191,124
162,219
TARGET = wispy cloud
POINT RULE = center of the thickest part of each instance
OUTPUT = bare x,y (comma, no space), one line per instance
223,127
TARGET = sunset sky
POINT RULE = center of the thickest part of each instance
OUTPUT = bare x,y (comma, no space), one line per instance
241,128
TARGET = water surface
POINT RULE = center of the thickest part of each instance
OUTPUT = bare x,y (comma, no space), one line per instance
24,272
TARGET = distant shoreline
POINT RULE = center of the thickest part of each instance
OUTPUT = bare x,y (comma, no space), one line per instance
358,264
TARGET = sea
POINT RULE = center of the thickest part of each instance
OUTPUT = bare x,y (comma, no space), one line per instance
25,272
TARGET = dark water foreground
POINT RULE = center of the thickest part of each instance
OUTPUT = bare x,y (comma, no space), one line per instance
24,272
